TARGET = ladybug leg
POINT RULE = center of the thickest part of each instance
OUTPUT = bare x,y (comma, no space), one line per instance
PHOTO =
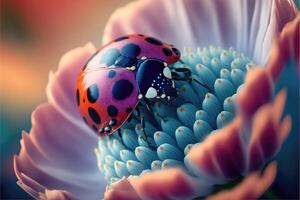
144,136
161,117
142,119
119,133
148,105
187,76
181,61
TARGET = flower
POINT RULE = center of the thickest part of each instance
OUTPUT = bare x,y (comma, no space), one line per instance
56,158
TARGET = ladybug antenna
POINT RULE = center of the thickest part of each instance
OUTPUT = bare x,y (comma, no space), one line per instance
181,61
119,133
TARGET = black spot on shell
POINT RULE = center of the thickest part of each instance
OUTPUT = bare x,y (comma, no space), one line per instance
176,51
93,93
122,89
130,118
141,35
129,110
78,97
112,73
112,110
123,61
101,130
121,38
110,56
153,40
112,122
107,129
94,115
167,52
94,127
131,50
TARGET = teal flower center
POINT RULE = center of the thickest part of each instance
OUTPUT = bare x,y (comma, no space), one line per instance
176,126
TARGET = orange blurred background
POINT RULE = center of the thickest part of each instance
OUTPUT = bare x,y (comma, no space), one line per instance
34,36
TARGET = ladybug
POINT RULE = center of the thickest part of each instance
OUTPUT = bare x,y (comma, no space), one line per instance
119,75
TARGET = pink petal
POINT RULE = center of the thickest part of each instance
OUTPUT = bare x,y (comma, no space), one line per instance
58,152
221,156
57,195
257,90
168,184
268,133
252,187
121,190
248,27
163,184
285,47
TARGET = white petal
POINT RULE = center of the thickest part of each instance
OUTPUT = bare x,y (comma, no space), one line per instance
151,93
247,26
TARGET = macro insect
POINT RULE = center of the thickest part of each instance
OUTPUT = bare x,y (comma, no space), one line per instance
118,76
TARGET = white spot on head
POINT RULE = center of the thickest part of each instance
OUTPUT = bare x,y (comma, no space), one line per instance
144,57
163,96
151,93
140,96
167,73
165,64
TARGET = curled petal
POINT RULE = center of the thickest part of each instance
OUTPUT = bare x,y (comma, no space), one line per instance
286,46
257,90
252,187
37,190
247,26
165,184
221,156
268,132
50,153
121,190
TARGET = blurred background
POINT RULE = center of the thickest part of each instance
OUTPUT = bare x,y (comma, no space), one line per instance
34,36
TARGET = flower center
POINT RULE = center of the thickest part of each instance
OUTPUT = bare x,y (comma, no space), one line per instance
206,102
